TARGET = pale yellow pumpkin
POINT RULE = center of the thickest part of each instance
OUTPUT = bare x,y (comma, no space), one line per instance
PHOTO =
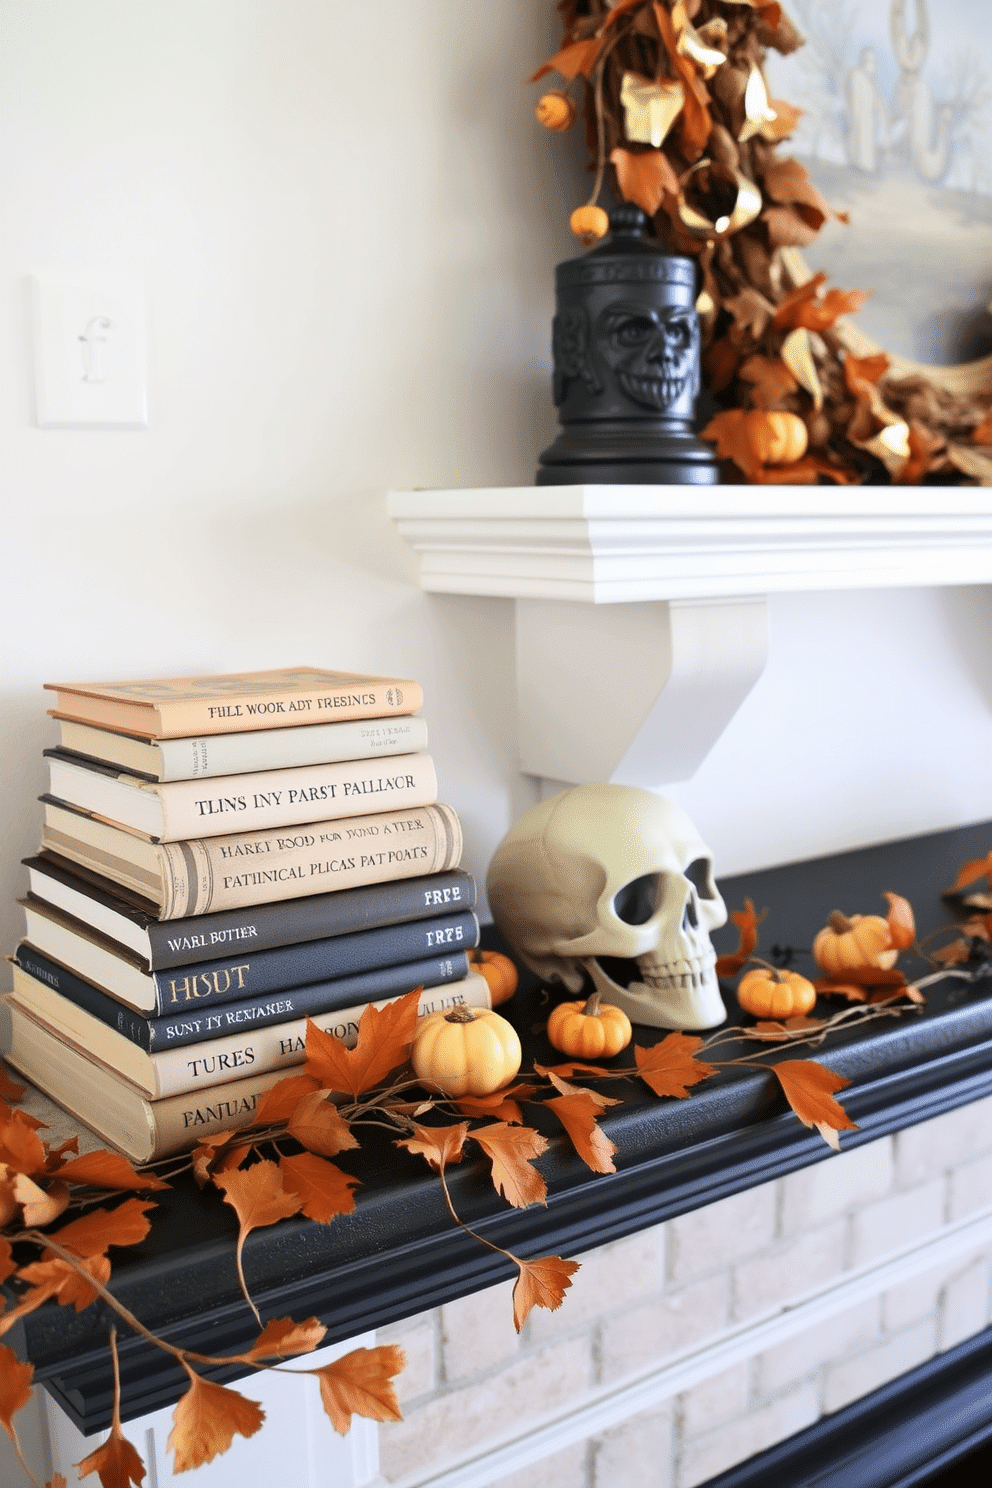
849,941
465,1051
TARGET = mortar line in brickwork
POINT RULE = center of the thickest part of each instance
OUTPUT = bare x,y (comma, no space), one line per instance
600,1409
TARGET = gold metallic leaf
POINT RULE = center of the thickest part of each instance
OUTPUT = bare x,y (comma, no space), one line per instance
890,445
649,108
747,204
758,112
797,354
692,45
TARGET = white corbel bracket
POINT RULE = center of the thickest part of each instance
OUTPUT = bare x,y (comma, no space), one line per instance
641,622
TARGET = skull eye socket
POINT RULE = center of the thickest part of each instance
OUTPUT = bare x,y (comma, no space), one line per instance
634,331
698,874
637,901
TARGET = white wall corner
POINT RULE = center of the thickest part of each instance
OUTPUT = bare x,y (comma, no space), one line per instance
635,694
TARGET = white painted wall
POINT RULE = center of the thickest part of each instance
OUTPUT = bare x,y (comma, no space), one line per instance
346,222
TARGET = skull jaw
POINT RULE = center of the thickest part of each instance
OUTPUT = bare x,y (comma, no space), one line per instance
675,1007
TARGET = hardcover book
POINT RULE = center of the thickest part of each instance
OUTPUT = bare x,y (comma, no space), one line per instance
200,1065
269,798
198,876
171,707
131,923
209,755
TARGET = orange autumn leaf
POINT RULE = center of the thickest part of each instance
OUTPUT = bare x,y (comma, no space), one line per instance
578,1115
644,177
257,1196
280,1100
541,1283
565,1087
859,370
572,1068
361,1384
317,1125
809,1088
952,954
510,1150
15,1388
982,433
747,921
20,1146
806,308
93,1232
384,1039
8,1201
866,976
68,1284
39,1206
788,182
770,378
9,1089
830,988
787,116
503,1104
901,922
206,1421
107,1170
116,1461
923,450
578,57
282,1338
971,871
57,1482
7,1263
321,1189
669,1067
620,8
741,435
440,1145
720,362
805,472
695,123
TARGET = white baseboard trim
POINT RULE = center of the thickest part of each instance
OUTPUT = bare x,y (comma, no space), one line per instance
598,1410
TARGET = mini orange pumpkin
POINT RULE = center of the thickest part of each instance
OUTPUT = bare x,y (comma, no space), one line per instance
498,970
589,224
859,940
589,1030
555,111
769,993
788,437
465,1051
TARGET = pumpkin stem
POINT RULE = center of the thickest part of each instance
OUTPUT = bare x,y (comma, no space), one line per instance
839,923
591,1009
460,1015
773,972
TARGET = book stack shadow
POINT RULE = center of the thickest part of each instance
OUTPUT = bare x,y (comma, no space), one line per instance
223,858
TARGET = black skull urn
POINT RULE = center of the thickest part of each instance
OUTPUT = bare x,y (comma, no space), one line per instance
626,366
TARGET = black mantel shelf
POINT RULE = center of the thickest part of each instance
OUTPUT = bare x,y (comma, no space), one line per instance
399,1254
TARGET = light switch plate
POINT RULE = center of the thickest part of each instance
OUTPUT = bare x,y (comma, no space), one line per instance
89,356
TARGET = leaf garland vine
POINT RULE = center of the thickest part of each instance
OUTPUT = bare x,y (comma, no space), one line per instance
678,117
281,1166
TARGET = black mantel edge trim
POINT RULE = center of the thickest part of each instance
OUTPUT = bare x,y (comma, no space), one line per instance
900,1435
415,1277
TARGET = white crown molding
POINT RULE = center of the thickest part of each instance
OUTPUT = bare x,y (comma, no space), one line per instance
604,544
659,593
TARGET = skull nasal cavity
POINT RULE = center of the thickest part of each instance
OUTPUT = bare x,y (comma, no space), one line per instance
690,919
637,901
698,874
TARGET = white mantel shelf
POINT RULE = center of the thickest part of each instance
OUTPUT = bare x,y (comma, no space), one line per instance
608,544
660,593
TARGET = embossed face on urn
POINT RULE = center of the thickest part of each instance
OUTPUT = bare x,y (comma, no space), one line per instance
652,352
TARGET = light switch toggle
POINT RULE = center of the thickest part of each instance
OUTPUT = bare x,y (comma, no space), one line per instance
89,349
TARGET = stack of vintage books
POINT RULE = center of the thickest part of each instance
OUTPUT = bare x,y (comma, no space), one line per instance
222,858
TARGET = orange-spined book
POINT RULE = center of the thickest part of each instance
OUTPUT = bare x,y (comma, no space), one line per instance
174,707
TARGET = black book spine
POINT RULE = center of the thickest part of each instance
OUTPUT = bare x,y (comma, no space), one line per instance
189,989
131,1024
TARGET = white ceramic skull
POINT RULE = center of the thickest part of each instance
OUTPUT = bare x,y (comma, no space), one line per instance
614,881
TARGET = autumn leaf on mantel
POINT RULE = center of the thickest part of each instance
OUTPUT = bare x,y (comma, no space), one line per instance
116,1461
280,1101
502,1104
747,921
282,1338
384,1039
440,1145
361,1384
577,1114
9,1089
317,1125
20,1146
206,1421
15,1388
57,1278
809,1088
644,177
541,1283
901,922
974,869
57,1482
510,1150
92,1233
321,1189
258,1198
107,1170
669,1067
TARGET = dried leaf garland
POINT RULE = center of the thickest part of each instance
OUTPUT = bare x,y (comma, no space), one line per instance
541,1283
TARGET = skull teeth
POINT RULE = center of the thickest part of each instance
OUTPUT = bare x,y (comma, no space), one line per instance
656,392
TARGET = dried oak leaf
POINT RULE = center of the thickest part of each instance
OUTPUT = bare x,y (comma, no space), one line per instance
317,1125
747,921
541,1283
20,1146
116,1461
9,1089
788,182
107,1170
440,1145
806,308
786,118
91,1233
669,1067
321,1189
770,378
578,1115
206,1421
788,227
970,872
510,1150
572,1068
578,57
280,1100
67,1284
15,1388
809,1087
384,1039
503,1104
901,922
566,1087
361,1384
282,1338
644,177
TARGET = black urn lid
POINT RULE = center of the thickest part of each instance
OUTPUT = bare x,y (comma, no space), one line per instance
627,253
